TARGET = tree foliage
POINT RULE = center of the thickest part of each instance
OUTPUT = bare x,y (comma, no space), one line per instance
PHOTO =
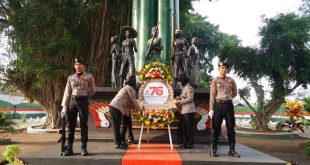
306,101
210,41
305,7
283,58
45,37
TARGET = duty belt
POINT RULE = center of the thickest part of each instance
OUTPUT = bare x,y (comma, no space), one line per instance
223,101
79,97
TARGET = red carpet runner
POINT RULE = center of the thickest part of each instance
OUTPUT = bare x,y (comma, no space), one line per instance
151,154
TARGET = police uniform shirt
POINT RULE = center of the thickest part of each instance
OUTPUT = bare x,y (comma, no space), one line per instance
125,100
187,99
79,86
222,89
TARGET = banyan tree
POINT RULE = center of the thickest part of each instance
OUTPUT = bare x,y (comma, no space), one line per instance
45,36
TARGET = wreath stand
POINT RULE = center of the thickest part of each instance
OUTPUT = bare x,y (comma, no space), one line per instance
159,76
148,132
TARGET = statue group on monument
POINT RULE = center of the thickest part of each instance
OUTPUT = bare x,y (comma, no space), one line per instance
185,59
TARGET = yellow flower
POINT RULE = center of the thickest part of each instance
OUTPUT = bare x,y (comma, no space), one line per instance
147,122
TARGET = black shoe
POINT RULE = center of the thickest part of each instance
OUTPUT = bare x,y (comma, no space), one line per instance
214,150
180,141
189,146
233,154
182,146
124,144
131,141
84,152
120,146
232,151
68,152
213,154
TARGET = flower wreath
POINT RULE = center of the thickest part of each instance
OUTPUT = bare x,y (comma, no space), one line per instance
155,70
155,118
151,117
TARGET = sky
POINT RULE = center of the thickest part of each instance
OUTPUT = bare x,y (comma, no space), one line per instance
243,19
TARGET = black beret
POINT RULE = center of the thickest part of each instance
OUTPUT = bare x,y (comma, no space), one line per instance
183,77
130,80
223,64
79,60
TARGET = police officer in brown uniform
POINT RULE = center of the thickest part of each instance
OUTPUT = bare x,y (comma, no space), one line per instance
223,90
188,111
79,88
124,100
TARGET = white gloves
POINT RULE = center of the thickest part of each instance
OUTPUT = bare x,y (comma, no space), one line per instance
211,113
64,111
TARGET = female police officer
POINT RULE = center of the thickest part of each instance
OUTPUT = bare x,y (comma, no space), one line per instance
188,111
124,100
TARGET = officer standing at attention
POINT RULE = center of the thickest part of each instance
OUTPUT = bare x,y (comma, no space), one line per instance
80,87
223,89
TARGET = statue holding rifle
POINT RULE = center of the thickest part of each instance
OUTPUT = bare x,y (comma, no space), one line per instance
154,47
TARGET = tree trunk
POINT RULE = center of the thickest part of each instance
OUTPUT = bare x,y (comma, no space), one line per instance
262,121
262,118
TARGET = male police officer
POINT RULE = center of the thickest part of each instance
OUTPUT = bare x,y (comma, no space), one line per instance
223,90
80,87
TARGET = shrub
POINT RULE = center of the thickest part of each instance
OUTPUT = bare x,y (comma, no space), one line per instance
307,148
11,152
279,126
6,124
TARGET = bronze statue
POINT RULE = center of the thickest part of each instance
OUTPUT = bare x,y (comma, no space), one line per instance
154,47
116,57
179,57
193,61
128,48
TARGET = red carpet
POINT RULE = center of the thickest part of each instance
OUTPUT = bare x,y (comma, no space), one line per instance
151,154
